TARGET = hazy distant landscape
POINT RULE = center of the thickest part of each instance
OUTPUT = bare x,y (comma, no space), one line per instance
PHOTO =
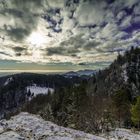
5,73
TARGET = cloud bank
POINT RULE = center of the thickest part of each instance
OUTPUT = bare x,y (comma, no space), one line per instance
68,31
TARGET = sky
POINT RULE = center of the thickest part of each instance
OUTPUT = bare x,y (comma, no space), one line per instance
57,35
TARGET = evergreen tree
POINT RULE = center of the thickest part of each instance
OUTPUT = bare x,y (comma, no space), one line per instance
121,101
29,93
135,112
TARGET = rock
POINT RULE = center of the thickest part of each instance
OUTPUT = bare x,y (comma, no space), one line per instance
30,127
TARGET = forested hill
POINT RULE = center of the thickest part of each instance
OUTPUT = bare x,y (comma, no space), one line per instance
123,73
13,88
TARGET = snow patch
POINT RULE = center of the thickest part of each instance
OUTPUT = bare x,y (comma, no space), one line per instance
26,126
36,90
10,135
124,73
124,134
31,127
8,81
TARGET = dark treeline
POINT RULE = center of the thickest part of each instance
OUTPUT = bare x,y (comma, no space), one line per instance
14,94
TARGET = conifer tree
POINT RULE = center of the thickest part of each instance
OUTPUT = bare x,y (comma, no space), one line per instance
135,112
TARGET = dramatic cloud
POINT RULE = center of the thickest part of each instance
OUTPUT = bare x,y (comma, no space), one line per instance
73,32
90,13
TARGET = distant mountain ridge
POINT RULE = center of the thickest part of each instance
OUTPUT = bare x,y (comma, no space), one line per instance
79,73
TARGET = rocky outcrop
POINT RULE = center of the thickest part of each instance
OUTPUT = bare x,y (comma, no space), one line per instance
26,126
30,127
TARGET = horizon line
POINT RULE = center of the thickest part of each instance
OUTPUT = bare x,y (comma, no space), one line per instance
42,71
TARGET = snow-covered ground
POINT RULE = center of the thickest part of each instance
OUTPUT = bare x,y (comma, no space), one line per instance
124,134
35,90
8,81
30,127
124,73
26,126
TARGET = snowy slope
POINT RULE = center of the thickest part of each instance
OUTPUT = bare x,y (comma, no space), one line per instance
35,90
124,134
26,126
8,81
30,127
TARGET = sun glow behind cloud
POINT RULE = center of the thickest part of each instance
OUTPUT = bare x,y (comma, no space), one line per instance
36,39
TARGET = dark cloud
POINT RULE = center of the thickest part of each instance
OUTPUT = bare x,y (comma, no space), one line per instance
116,50
76,41
18,33
91,45
55,50
5,53
13,12
19,49
95,65
62,51
18,54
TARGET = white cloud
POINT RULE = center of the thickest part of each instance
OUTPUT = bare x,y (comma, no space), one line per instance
130,3
56,3
121,15
136,19
94,13
121,4
126,22
108,32
137,9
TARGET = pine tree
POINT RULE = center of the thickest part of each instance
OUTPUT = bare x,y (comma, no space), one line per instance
135,112
121,101
29,93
